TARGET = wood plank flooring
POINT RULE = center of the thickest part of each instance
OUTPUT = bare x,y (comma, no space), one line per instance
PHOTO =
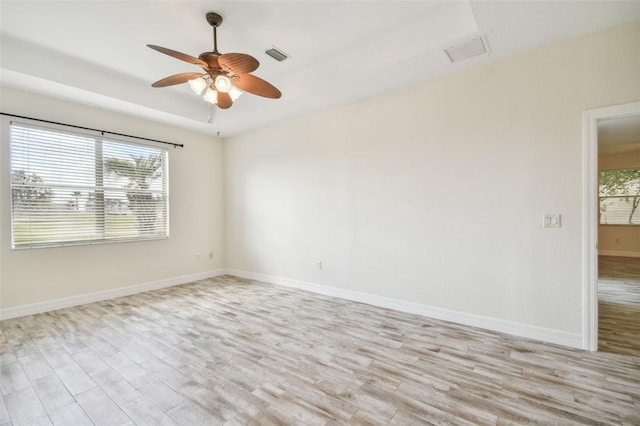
619,304
239,352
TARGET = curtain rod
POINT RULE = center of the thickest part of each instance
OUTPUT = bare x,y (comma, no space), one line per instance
175,145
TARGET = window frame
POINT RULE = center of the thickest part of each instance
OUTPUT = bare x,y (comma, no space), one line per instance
600,198
98,189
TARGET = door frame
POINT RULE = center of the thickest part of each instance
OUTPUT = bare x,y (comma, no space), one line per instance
590,120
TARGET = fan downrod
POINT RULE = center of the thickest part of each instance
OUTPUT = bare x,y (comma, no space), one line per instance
214,19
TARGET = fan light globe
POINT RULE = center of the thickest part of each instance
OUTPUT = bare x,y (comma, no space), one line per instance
223,83
235,93
197,85
211,96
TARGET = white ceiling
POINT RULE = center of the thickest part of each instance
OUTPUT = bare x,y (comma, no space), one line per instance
619,135
95,51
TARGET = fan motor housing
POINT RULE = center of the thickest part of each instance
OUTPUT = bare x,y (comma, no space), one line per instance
211,58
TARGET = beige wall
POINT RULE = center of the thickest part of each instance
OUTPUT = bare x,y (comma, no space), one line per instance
196,215
619,240
435,194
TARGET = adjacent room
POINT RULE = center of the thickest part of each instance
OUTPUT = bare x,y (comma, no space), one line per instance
618,232
319,212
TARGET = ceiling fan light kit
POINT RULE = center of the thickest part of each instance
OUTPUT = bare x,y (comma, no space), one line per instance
211,96
224,76
198,85
223,83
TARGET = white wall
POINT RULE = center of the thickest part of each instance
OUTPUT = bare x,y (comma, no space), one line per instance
196,215
619,240
435,194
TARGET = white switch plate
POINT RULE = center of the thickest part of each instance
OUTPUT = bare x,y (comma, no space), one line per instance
551,221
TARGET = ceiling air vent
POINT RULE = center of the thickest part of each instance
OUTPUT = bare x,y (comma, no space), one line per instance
467,49
277,54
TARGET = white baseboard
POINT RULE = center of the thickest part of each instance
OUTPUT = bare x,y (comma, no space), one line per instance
81,299
618,253
517,329
564,338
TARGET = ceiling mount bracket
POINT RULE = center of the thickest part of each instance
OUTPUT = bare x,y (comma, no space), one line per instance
214,19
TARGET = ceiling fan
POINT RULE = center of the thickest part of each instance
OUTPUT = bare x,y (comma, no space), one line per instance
224,73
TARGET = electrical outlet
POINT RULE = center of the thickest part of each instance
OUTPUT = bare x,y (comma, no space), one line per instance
210,255
197,257
319,265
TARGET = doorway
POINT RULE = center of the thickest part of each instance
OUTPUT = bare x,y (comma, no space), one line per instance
593,120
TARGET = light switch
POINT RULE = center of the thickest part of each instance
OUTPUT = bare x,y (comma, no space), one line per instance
551,221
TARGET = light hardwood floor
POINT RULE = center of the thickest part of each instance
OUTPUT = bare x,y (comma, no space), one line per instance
619,305
233,351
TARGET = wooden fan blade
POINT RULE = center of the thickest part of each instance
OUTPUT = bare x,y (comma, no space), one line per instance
224,100
179,55
176,79
238,63
257,86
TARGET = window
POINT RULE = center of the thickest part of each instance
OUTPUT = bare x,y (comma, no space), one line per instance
620,197
69,188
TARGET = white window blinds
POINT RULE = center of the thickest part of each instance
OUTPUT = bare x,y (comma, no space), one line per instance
69,188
